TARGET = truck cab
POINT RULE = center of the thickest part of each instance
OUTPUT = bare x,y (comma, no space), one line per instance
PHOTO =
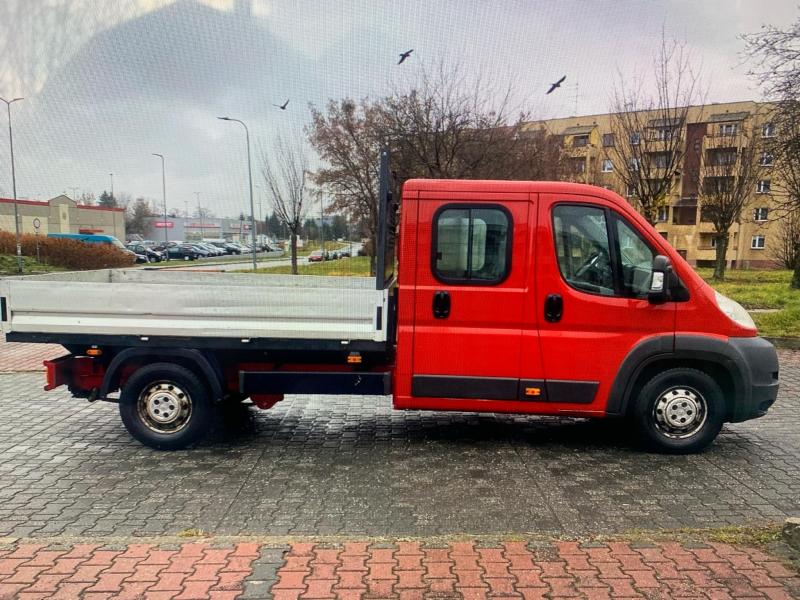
560,299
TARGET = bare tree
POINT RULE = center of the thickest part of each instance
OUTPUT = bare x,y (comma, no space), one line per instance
348,138
776,56
786,253
441,124
649,128
284,167
729,174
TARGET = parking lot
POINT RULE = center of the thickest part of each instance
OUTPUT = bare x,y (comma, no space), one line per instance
350,466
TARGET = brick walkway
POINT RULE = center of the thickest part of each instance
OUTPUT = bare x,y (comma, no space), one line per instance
26,357
402,571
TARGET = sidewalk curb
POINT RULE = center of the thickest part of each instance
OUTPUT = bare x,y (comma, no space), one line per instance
784,342
791,532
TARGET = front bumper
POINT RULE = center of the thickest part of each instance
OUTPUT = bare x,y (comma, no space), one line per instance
758,363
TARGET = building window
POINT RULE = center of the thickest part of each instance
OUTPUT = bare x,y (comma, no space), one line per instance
663,213
633,164
757,242
662,134
635,138
763,186
661,160
768,130
608,165
760,214
578,165
608,140
726,129
580,140
766,159
631,191
472,245
723,158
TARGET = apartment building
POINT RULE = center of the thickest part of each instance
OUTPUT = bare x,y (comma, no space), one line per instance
713,137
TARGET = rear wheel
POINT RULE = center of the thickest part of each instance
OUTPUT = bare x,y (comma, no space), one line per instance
166,406
679,411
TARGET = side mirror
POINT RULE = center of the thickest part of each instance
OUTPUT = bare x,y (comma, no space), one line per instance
659,288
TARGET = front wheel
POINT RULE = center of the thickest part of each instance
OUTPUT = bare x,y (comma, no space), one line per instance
679,411
165,406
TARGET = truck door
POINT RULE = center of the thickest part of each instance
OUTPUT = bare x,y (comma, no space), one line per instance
593,268
471,286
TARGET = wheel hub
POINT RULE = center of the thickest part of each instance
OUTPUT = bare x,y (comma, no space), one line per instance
680,412
165,407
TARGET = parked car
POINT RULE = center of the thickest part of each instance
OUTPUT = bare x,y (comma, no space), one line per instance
316,256
211,248
182,252
148,254
201,252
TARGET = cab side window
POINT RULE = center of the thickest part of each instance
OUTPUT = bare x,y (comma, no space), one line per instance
471,245
582,249
600,253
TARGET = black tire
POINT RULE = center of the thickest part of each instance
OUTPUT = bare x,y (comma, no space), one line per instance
679,411
183,396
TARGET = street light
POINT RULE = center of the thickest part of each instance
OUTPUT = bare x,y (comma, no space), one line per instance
14,182
250,178
164,195
200,214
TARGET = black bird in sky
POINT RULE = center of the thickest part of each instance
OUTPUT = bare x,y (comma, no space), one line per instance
404,56
282,106
557,84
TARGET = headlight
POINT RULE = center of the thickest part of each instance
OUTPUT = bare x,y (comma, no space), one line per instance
734,311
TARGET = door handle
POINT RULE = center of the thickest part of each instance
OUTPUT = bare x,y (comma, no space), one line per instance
441,305
553,308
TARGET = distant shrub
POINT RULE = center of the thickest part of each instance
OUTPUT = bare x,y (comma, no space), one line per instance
70,254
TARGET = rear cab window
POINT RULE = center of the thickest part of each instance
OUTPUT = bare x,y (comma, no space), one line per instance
471,244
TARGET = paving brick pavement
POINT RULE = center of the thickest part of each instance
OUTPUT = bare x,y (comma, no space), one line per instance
26,357
404,570
353,467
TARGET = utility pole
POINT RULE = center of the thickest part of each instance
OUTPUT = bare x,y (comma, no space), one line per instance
164,194
14,183
322,226
74,192
112,187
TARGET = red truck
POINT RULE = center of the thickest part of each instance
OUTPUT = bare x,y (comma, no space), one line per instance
536,298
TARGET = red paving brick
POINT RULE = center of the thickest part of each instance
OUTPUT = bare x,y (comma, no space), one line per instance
462,570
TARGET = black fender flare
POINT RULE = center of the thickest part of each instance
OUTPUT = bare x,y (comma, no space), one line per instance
679,347
208,366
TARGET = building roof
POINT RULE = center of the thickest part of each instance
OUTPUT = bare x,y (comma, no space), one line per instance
735,116
579,130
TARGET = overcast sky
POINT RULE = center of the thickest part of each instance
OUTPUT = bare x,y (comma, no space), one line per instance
114,81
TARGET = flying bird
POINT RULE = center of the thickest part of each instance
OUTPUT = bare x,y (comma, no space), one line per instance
404,56
555,85
282,106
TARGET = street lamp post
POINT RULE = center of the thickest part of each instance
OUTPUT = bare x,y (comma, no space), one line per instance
164,195
200,214
112,185
14,183
250,178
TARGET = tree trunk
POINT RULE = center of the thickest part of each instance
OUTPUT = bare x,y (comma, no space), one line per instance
796,276
721,256
293,244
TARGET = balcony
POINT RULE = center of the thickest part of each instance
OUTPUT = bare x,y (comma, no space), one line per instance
738,140
580,151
